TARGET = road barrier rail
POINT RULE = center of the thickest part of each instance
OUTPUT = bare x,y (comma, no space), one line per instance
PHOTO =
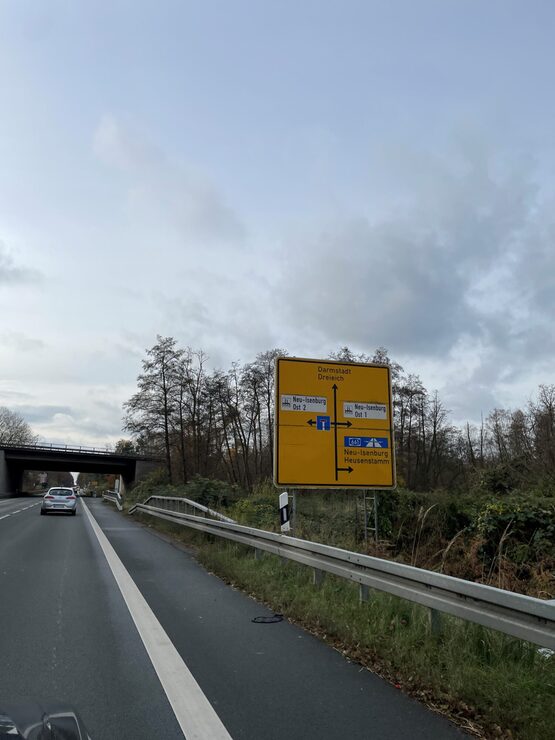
183,506
115,498
517,615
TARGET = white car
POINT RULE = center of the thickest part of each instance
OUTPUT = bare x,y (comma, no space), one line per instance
59,499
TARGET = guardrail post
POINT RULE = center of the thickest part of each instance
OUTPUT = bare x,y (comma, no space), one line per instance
436,627
257,554
317,577
363,592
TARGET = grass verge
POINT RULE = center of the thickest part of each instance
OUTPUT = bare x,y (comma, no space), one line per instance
492,685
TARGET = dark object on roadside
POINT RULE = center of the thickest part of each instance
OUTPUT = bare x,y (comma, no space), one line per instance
30,720
268,620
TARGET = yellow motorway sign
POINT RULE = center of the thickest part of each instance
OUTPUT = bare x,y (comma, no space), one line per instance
334,425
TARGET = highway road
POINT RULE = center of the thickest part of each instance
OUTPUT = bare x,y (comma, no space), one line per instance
101,612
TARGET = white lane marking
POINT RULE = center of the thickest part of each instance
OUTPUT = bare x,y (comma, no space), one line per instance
17,511
193,711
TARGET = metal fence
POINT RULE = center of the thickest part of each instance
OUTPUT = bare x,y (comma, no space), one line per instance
514,614
115,498
182,506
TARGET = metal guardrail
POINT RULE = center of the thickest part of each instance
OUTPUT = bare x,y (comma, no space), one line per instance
115,498
514,614
180,505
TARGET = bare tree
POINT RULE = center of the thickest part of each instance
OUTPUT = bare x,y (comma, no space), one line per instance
14,429
149,412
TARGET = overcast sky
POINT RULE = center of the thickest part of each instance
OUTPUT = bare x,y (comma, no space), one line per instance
251,174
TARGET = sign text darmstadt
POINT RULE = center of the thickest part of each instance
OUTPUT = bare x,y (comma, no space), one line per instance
334,426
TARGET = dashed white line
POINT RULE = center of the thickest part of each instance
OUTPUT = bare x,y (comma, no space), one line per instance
18,511
194,713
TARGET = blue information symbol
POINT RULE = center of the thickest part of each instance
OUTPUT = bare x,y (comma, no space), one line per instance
323,423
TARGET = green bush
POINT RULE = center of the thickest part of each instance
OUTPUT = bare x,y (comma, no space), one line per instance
526,524
150,485
504,477
216,494
258,510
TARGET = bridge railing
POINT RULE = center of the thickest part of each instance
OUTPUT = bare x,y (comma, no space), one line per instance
514,614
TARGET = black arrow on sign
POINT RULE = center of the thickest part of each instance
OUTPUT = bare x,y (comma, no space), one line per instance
335,425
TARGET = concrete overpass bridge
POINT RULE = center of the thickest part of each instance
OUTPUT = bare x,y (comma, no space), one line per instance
15,459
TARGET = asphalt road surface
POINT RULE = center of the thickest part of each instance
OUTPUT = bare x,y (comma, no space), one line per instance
101,612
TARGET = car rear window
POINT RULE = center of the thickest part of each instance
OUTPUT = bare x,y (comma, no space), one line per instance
60,492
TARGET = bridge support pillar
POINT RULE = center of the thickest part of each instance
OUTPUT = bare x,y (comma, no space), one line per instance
120,485
4,478
10,480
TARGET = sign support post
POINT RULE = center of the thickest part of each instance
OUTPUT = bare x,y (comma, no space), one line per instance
376,517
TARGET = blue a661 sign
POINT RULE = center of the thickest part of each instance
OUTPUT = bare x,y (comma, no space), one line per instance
381,442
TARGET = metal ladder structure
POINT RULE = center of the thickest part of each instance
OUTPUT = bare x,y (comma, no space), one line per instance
370,515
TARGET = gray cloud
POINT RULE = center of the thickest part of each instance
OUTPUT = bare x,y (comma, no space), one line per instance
42,413
13,395
13,274
225,316
418,282
372,285
461,282
168,193
97,420
21,342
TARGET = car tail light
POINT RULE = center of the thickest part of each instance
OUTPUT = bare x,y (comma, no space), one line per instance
72,497
50,498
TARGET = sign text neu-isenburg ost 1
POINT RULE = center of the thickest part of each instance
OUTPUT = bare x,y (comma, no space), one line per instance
334,426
